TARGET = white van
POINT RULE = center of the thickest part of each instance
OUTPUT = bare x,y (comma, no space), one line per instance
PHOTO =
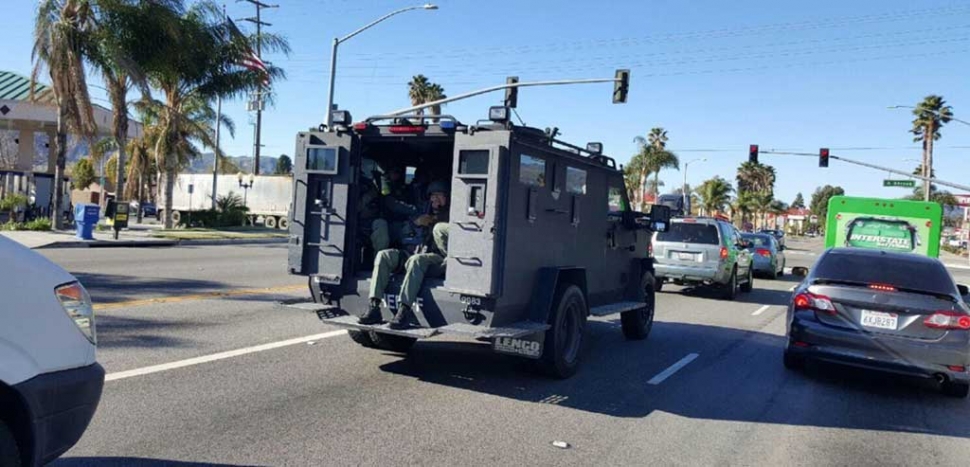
50,382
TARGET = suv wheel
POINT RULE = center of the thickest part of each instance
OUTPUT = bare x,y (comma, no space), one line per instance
392,342
749,284
362,338
564,340
637,323
793,362
658,284
730,290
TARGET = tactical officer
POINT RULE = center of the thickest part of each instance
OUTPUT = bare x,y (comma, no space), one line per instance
423,254
397,208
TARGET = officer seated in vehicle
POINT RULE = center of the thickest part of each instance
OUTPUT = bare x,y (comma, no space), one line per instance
397,208
422,253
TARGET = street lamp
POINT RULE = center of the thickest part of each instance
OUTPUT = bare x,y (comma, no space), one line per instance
684,188
245,186
338,41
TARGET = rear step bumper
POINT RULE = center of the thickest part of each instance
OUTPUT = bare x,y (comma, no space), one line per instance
516,330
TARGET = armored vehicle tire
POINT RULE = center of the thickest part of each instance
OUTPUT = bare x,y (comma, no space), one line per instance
362,338
952,389
637,323
563,346
270,222
283,223
9,452
730,290
392,342
749,285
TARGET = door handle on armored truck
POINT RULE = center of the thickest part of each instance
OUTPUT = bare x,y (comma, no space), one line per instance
473,226
468,260
557,211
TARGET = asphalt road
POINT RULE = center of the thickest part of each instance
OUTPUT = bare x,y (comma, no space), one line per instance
283,398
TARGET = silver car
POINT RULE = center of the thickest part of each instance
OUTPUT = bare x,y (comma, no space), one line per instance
703,251
768,257
895,312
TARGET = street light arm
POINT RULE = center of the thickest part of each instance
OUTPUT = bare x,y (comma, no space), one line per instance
952,119
379,20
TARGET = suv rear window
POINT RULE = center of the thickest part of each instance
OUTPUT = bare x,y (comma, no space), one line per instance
914,275
685,232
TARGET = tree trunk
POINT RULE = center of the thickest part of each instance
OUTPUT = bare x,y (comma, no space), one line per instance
120,120
170,175
141,198
60,149
928,161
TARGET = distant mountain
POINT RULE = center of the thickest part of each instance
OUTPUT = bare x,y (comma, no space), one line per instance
267,165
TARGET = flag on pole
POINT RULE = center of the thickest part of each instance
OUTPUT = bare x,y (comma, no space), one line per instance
249,59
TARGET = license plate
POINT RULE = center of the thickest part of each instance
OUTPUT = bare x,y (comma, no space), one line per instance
877,319
685,256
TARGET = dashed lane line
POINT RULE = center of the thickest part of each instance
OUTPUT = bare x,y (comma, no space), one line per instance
760,310
663,375
218,356
198,296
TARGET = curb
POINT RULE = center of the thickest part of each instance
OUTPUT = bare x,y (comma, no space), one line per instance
957,266
157,243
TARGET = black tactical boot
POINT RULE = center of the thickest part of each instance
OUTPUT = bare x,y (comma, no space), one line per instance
400,320
373,313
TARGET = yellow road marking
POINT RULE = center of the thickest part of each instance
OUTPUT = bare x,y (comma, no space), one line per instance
197,296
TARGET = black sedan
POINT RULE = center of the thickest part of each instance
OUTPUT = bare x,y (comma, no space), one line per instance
893,312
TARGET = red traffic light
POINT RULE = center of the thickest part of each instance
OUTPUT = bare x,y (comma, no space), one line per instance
753,153
823,157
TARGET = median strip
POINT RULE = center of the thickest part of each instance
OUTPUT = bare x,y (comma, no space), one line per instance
197,296
663,375
218,356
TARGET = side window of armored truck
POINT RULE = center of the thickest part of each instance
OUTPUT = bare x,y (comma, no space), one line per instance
615,200
575,181
532,170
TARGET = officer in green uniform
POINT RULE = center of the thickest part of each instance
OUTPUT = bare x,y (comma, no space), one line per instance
397,208
422,255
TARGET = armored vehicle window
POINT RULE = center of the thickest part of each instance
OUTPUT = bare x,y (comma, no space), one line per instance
321,160
532,170
473,162
615,199
575,181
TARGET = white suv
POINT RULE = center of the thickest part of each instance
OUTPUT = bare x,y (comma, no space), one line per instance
50,382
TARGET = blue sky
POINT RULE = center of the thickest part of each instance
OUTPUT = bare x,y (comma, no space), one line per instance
717,75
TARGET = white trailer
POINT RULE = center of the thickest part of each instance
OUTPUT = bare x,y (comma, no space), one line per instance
268,199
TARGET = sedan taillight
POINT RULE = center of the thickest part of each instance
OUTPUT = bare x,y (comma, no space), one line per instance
947,320
764,252
810,301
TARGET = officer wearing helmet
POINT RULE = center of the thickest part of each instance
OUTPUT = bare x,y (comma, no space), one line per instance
422,254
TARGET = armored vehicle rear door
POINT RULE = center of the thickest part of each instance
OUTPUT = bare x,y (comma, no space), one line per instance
323,207
476,236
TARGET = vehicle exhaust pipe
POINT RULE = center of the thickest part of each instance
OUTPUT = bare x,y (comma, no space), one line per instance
940,378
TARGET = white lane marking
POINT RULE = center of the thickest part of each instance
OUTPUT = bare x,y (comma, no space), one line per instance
792,289
672,369
760,310
218,356
957,266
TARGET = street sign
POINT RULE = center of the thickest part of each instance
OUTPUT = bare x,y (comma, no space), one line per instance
899,183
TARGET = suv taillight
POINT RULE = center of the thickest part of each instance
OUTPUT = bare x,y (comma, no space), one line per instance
650,250
810,301
724,252
947,320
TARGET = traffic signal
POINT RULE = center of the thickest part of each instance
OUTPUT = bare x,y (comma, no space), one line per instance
511,94
823,157
621,86
753,153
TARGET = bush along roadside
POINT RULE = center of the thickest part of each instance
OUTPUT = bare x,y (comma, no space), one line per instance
229,212
42,224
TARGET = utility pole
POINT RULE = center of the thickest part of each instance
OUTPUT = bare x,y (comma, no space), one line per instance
215,159
259,91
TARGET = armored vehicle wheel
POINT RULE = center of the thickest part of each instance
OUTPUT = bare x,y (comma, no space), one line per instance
564,340
392,342
637,323
9,452
729,291
749,285
362,338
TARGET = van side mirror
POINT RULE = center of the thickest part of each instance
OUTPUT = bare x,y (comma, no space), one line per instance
799,271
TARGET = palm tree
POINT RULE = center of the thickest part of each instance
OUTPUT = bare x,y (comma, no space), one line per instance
435,93
654,157
202,53
931,114
714,195
62,40
418,91
741,206
632,177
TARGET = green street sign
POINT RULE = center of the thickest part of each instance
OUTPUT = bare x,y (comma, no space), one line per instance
899,183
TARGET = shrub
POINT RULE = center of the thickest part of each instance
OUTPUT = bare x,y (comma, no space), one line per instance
39,224
13,201
229,212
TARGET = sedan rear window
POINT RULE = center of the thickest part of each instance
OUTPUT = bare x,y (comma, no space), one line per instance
682,232
757,240
890,270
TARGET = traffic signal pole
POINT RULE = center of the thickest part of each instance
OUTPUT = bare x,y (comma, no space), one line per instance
929,180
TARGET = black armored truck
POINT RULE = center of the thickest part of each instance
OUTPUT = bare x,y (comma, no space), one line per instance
541,234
